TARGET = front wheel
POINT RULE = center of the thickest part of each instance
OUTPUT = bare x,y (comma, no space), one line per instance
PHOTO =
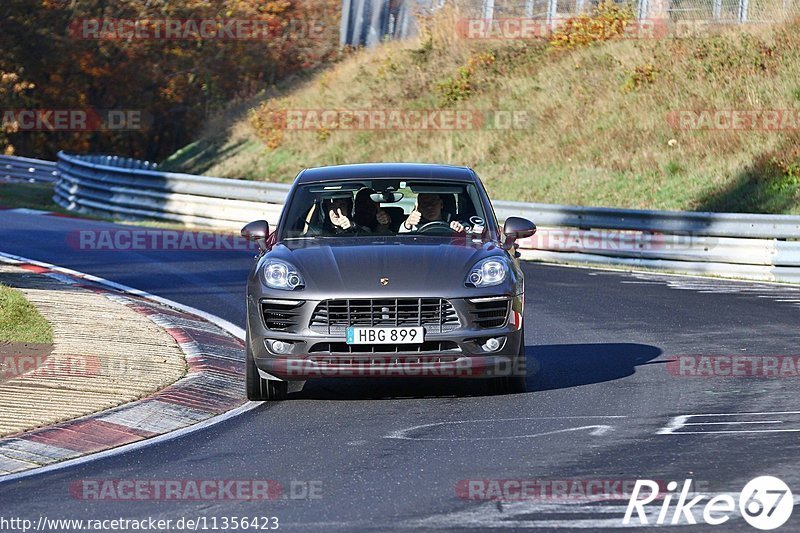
516,383
259,389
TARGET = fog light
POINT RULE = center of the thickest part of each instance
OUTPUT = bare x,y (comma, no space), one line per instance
492,344
280,347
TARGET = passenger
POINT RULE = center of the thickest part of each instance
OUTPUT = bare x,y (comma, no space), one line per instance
429,209
368,215
337,219
332,218
338,215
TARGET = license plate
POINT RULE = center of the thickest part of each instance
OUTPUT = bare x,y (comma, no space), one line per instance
385,335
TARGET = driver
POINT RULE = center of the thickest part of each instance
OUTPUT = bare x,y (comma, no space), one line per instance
428,209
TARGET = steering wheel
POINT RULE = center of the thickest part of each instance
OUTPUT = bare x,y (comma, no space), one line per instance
436,224
476,221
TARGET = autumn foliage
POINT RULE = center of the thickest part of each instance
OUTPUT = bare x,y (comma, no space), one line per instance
606,22
45,63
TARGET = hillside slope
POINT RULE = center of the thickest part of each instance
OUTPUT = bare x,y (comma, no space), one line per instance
606,122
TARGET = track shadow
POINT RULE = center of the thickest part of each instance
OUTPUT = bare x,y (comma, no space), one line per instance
556,366
560,366
769,184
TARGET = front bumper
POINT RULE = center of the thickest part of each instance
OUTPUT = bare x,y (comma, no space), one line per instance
455,353
302,368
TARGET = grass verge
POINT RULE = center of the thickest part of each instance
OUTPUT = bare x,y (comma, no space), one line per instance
604,114
20,321
28,195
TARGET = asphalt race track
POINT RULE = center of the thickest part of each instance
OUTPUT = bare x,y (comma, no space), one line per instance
391,454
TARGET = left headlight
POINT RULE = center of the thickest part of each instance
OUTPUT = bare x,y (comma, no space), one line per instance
281,275
488,272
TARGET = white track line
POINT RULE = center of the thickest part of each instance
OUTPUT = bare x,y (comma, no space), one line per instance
231,328
402,434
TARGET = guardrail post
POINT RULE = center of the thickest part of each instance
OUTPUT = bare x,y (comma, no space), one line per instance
552,12
488,10
344,24
716,11
643,10
743,6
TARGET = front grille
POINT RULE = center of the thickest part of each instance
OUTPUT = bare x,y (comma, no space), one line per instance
427,346
281,315
436,315
490,314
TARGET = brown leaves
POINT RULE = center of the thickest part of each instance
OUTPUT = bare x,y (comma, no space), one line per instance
179,82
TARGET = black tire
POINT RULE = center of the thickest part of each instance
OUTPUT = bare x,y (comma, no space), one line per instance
516,383
258,389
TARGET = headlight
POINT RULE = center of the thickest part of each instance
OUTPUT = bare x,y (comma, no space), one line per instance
281,275
488,272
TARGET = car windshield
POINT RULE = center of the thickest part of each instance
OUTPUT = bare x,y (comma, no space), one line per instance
370,207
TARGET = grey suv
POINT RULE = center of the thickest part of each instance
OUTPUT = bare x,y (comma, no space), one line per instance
385,270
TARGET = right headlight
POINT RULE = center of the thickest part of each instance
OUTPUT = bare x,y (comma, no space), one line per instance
279,274
487,272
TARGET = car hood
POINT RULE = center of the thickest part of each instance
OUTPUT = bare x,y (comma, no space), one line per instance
409,266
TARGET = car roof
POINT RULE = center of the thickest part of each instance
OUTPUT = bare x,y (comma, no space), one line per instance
386,170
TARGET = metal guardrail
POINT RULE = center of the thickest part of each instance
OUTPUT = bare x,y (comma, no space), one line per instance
133,189
23,169
678,222
368,22
763,247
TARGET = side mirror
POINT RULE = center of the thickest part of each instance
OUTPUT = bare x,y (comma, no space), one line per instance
257,231
518,228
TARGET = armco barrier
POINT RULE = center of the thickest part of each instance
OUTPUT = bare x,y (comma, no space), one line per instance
712,224
22,169
753,246
134,189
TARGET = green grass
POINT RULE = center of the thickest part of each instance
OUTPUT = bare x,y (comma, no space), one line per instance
599,133
28,195
20,321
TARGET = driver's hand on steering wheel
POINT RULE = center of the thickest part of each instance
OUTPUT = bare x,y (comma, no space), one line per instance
457,226
413,219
